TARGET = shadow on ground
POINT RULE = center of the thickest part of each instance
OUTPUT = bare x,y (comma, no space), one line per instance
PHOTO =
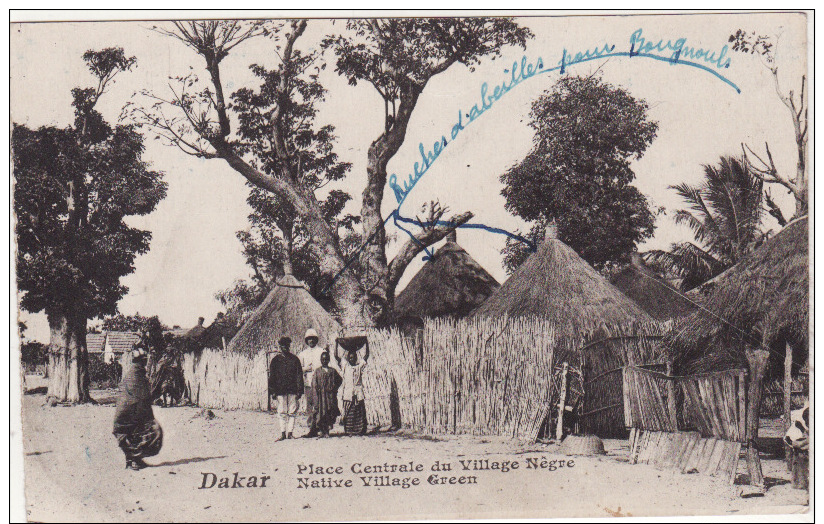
180,462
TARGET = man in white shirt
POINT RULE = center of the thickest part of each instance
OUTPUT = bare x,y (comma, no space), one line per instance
310,360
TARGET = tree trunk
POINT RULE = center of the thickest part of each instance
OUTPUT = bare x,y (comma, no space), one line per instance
757,361
68,359
788,391
373,258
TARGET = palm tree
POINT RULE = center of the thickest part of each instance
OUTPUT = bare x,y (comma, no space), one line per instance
724,214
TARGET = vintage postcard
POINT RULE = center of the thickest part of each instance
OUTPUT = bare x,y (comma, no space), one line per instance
419,265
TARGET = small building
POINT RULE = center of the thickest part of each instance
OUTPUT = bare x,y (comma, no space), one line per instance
237,377
111,345
761,301
288,310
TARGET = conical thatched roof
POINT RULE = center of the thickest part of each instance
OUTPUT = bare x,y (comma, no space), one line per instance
451,284
654,294
557,284
289,310
764,296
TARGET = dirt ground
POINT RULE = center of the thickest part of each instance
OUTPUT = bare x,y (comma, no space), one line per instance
75,471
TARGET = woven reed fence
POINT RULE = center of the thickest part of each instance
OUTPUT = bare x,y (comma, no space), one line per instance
604,354
226,380
702,430
645,400
480,376
483,376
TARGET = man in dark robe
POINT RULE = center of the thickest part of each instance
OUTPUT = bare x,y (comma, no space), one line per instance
286,385
138,433
325,384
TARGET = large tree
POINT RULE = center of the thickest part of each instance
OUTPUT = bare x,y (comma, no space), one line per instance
73,188
277,242
725,215
397,57
578,174
764,166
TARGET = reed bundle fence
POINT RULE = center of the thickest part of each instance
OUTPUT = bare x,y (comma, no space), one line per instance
226,380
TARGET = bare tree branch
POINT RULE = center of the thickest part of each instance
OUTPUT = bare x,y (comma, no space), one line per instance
425,238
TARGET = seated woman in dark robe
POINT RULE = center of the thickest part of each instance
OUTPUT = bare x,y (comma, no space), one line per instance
325,384
138,433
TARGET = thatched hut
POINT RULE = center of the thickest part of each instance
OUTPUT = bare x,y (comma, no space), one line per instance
236,378
655,295
556,284
451,284
753,316
288,310
761,301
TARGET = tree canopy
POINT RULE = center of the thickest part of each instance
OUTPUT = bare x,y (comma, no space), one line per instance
725,215
73,188
397,56
578,174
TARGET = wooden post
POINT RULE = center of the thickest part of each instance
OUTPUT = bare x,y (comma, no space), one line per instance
788,396
268,396
757,361
559,430
671,405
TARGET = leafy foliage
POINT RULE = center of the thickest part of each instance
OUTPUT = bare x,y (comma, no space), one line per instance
516,252
33,354
724,214
397,56
278,241
578,173
753,43
73,188
388,52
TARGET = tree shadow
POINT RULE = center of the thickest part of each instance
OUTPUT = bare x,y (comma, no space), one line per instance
39,390
743,479
186,461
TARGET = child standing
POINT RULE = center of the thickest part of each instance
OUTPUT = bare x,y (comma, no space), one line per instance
325,384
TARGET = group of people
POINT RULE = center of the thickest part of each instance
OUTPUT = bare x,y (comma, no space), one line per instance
310,374
290,377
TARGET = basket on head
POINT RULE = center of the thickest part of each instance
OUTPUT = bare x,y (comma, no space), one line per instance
351,343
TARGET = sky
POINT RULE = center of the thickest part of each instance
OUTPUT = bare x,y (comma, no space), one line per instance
194,252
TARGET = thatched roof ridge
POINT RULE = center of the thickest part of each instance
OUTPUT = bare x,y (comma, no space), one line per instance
655,295
557,284
288,310
451,284
764,296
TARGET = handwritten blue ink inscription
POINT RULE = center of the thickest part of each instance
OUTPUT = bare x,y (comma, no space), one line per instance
675,52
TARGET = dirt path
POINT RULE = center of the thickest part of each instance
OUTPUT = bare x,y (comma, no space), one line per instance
74,471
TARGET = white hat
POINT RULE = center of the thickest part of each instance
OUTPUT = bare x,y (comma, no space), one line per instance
311,333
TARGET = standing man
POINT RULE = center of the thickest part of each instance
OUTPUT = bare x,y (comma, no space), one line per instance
286,384
310,361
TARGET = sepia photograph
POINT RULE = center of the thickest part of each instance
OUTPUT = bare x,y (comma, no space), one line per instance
373,265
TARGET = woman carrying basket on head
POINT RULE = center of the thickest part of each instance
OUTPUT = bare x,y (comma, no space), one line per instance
354,407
